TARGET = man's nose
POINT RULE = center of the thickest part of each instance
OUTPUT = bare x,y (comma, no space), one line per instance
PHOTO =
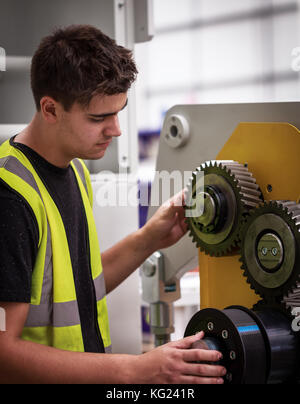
113,127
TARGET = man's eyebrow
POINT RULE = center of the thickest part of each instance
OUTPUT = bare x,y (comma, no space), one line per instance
109,113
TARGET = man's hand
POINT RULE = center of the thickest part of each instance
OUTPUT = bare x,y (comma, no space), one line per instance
167,225
175,363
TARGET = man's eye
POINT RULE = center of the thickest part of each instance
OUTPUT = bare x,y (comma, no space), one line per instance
95,120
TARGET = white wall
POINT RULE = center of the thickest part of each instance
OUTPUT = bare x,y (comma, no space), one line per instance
212,51
124,303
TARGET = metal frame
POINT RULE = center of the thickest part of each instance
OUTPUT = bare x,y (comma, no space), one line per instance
210,126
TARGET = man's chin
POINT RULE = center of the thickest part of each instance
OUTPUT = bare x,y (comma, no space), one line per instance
95,156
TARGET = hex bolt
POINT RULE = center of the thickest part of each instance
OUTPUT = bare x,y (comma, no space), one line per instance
210,326
224,334
232,355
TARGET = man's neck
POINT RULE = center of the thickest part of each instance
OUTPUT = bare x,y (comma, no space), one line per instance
42,142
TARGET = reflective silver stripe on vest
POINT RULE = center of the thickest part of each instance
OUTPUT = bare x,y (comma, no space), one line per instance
13,165
100,288
63,315
108,349
80,171
47,288
99,281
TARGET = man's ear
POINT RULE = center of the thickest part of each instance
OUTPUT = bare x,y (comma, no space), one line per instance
49,109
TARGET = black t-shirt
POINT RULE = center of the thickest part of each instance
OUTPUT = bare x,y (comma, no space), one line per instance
19,242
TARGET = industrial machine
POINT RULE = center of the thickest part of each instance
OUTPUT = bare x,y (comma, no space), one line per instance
244,162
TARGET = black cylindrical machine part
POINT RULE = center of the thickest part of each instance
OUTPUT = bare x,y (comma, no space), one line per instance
283,346
258,347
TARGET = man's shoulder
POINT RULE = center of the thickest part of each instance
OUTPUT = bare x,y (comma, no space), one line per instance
14,208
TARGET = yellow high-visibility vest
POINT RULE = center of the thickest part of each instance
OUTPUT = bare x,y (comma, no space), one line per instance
53,318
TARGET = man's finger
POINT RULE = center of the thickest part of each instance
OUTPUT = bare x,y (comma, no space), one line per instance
204,370
177,200
187,342
201,380
201,355
184,225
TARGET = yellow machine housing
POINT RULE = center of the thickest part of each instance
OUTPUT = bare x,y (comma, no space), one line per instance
271,151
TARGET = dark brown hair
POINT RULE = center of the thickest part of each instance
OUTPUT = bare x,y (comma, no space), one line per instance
78,62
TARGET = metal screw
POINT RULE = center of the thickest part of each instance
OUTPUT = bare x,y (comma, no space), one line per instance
232,355
224,334
270,251
229,377
149,268
210,326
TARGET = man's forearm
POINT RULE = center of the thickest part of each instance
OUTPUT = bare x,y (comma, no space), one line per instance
125,257
27,362
163,230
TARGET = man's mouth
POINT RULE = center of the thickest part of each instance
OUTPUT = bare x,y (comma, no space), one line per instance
106,144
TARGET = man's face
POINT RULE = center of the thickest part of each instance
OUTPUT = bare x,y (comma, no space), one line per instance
87,132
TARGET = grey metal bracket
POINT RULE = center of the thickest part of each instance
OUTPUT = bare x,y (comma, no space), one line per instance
160,297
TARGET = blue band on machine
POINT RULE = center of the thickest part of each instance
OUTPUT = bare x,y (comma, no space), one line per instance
249,328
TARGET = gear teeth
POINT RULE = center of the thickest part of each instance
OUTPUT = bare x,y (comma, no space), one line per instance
272,305
248,197
292,299
248,188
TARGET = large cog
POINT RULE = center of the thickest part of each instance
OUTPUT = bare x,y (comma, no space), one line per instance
270,252
226,195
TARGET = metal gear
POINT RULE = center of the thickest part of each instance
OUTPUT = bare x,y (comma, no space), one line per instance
217,205
279,307
270,252
292,299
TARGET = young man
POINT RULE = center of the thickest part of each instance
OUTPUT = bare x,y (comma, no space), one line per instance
52,285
